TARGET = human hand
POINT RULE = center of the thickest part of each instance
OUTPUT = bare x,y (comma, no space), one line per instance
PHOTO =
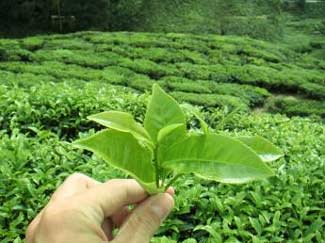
85,211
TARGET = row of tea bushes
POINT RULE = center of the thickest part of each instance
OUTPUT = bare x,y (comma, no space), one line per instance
211,66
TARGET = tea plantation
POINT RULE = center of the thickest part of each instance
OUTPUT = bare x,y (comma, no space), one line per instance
50,84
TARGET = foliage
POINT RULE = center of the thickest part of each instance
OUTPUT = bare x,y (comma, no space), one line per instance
163,147
48,87
36,15
208,16
25,13
212,71
277,210
288,207
293,106
191,16
53,106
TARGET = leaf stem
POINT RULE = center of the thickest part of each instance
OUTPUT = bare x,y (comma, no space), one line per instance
156,166
163,178
157,173
172,181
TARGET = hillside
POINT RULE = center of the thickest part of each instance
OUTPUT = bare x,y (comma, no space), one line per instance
211,71
50,84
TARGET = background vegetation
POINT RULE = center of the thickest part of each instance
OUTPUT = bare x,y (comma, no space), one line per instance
248,67
256,18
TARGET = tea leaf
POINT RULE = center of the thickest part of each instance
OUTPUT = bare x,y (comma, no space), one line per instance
121,121
168,136
171,134
265,149
123,151
203,124
215,157
162,111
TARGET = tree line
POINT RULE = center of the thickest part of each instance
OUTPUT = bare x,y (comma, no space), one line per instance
21,16
45,15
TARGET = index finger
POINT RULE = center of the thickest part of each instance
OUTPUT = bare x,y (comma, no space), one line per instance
75,183
109,197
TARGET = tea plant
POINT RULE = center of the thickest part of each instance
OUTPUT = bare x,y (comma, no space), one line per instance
50,84
158,152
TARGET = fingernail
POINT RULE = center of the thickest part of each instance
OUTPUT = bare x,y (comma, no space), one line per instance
171,191
162,205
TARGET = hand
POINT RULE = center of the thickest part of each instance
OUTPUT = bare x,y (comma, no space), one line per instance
85,211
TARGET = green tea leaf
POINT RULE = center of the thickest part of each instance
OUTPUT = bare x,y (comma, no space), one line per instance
121,121
162,111
265,149
171,134
203,124
168,136
189,110
123,151
215,157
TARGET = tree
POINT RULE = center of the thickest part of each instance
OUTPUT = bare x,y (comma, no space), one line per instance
301,5
21,15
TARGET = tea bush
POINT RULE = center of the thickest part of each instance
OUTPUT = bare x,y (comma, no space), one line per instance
50,84
287,207
180,62
55,106
294,106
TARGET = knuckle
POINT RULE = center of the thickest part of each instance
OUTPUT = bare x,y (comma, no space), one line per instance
50,213
123,181
148,220
153,218
113,181
76,176
29,232
58,212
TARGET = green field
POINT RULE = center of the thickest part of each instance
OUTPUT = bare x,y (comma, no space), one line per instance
241,86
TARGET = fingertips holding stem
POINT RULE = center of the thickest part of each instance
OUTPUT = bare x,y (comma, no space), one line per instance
146,219
161,205
171,191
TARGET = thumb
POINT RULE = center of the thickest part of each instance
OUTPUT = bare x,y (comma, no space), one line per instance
146,219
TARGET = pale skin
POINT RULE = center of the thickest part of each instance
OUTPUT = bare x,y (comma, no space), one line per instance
84,210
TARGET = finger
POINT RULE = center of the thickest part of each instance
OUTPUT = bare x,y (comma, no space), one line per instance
119,217
109,197
32,227
115,221
145,219
74,184
171,191
107,227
